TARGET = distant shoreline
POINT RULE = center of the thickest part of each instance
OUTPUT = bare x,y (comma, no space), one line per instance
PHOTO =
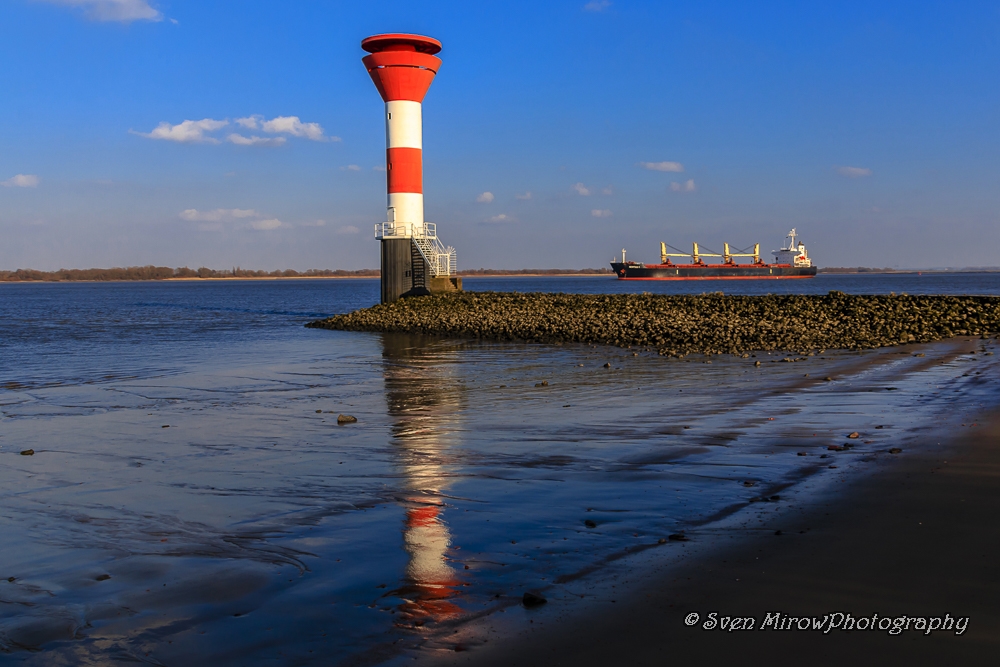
838,271
120,275
167,274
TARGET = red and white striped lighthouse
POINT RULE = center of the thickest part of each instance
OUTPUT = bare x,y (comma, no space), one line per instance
403,67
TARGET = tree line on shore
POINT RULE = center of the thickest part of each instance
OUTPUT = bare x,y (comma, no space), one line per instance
533,272
167,273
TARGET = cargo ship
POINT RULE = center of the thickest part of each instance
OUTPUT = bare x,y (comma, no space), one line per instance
792,261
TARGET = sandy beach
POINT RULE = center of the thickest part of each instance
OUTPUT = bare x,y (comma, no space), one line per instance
916,538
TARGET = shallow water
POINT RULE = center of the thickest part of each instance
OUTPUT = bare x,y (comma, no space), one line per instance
187,504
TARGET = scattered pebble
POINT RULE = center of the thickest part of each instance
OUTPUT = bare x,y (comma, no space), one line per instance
777,532
102,577
346,419
319,411
854,435
662,540
895,450
590,524
835,448
677,537
802,454
530,600
607,365
27,452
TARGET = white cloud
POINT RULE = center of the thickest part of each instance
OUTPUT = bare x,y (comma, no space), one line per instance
315,223
197,131
503,217
607,191
686,186
597,5
22,181
485,198
348,229
854,172
254,140
188,132
175,21
124,11
213,220
526,195
582,189
598,213
194,215
351,167
263,225
378,167
250,122
662,166
295,127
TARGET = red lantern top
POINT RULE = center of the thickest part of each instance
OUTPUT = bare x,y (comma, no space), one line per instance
402,66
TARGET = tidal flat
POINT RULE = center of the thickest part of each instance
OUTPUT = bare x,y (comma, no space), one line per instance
191,498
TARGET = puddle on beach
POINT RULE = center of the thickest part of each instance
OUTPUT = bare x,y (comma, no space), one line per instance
211,510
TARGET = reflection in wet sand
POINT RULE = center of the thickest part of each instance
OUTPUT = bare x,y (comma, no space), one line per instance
424,402
256,530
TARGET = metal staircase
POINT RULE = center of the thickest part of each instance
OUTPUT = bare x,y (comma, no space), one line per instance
418,267
439,259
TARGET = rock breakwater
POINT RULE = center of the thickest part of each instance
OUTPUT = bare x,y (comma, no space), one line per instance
677,325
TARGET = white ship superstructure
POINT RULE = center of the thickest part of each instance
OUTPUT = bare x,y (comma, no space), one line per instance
793,253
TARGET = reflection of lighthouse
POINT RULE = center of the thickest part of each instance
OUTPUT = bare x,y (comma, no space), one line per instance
425,402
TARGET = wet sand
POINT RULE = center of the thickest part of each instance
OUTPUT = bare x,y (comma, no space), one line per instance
917,537
192,500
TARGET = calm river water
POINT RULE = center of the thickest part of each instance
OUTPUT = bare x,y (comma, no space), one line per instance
191,498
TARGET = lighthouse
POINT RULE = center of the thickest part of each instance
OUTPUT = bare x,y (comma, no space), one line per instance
414,260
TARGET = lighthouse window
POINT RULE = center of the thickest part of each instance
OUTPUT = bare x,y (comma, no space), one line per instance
389,115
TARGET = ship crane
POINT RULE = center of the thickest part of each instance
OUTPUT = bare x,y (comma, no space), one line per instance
696,255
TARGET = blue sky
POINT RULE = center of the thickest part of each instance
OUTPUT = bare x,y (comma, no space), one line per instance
871,127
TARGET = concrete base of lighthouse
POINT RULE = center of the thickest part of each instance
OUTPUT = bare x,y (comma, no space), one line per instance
404,272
